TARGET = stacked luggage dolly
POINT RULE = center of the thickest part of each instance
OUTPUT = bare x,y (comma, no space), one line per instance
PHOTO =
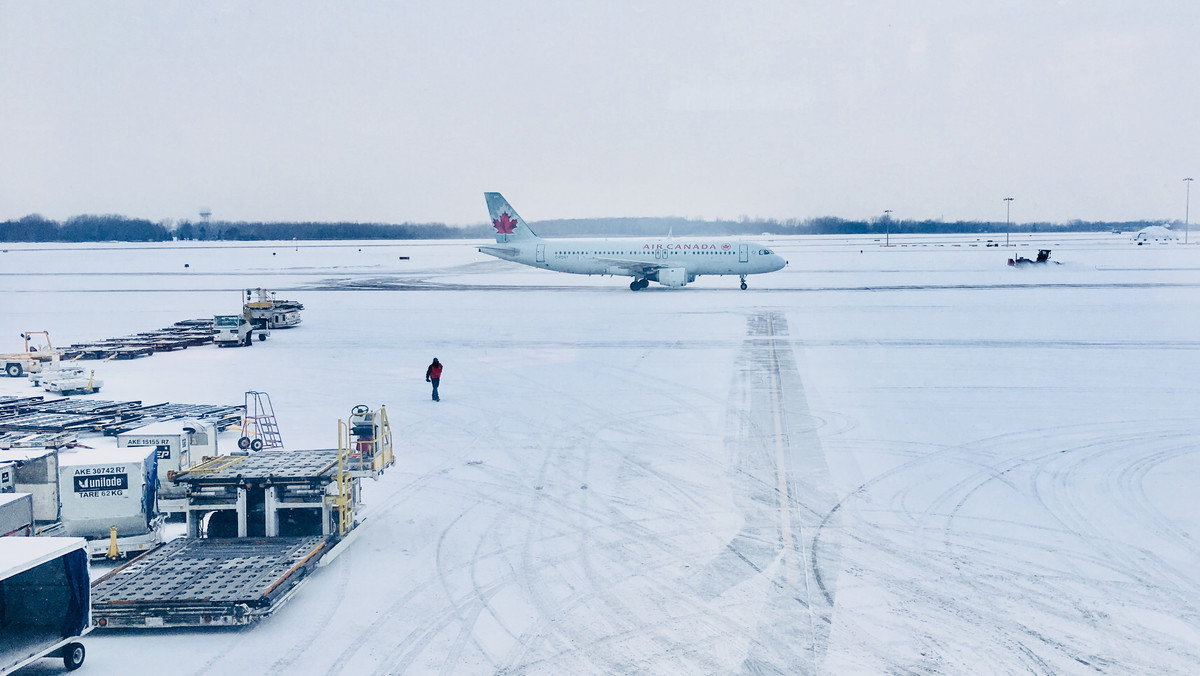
36,414
179,336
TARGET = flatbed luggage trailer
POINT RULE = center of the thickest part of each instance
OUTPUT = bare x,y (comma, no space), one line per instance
202,582
44,601
257,526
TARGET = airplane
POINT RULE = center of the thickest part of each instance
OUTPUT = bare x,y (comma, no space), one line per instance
669,262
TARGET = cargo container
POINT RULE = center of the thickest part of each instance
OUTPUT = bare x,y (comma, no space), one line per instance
177,444
102,489
35,471
16,514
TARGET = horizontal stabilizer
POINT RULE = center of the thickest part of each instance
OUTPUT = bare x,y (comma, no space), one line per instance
500,251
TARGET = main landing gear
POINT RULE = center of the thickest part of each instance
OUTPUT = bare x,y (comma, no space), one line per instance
638,284
743,282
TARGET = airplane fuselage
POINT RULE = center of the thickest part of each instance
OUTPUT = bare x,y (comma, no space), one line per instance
669,262
607,257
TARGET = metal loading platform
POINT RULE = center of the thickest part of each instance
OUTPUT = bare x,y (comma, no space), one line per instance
257,525
268,494
201,582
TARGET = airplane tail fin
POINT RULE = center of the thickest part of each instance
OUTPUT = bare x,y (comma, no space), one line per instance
509,226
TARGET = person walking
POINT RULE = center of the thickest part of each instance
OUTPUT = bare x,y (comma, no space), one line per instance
433,374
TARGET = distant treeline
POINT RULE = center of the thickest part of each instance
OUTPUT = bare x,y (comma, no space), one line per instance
826,225
121,229
34,228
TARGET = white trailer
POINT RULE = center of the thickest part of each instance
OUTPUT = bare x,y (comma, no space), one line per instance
178,444
72,383
45,601
102,489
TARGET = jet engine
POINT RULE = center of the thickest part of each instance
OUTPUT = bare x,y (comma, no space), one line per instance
674,277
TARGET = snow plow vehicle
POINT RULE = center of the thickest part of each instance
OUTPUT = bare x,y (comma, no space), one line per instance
1043,258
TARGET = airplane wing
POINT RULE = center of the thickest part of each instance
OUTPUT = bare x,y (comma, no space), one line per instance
500,251
638,268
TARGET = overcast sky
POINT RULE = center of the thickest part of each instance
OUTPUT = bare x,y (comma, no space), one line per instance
409,111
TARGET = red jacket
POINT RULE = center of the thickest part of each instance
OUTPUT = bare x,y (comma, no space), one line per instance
434,371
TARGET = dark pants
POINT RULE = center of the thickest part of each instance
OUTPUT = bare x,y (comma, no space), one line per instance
435,384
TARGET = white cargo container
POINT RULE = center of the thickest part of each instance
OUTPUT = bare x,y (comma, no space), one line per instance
105,488
35,471
7,485
16,514
177,444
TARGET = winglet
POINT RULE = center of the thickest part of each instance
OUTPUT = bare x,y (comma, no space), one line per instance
509,226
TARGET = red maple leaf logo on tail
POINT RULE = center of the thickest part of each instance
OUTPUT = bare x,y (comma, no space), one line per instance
505,224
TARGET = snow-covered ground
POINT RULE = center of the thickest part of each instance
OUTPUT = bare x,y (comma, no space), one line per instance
906,459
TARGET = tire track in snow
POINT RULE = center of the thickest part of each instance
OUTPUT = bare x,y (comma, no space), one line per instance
782,488
1028,582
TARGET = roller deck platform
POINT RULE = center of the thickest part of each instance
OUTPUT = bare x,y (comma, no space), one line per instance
206,582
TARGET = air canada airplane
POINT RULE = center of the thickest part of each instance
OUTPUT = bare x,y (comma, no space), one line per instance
669,262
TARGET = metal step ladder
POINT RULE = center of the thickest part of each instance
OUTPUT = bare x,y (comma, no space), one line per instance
259,427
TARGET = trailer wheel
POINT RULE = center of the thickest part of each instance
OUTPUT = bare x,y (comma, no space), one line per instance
262,337
73,656
244,443
256,445
13,370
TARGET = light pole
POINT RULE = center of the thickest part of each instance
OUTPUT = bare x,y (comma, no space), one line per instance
1007,219
1187,202
887,225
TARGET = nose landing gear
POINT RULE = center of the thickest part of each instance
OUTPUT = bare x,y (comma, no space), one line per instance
743,282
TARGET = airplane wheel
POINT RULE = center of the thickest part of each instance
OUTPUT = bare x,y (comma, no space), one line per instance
634,285
743,286
73,656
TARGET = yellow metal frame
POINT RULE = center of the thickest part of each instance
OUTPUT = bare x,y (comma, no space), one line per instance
385,457
379,446
350,459
216,464
343,502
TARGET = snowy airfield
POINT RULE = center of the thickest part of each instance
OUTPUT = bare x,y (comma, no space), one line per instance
878,460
